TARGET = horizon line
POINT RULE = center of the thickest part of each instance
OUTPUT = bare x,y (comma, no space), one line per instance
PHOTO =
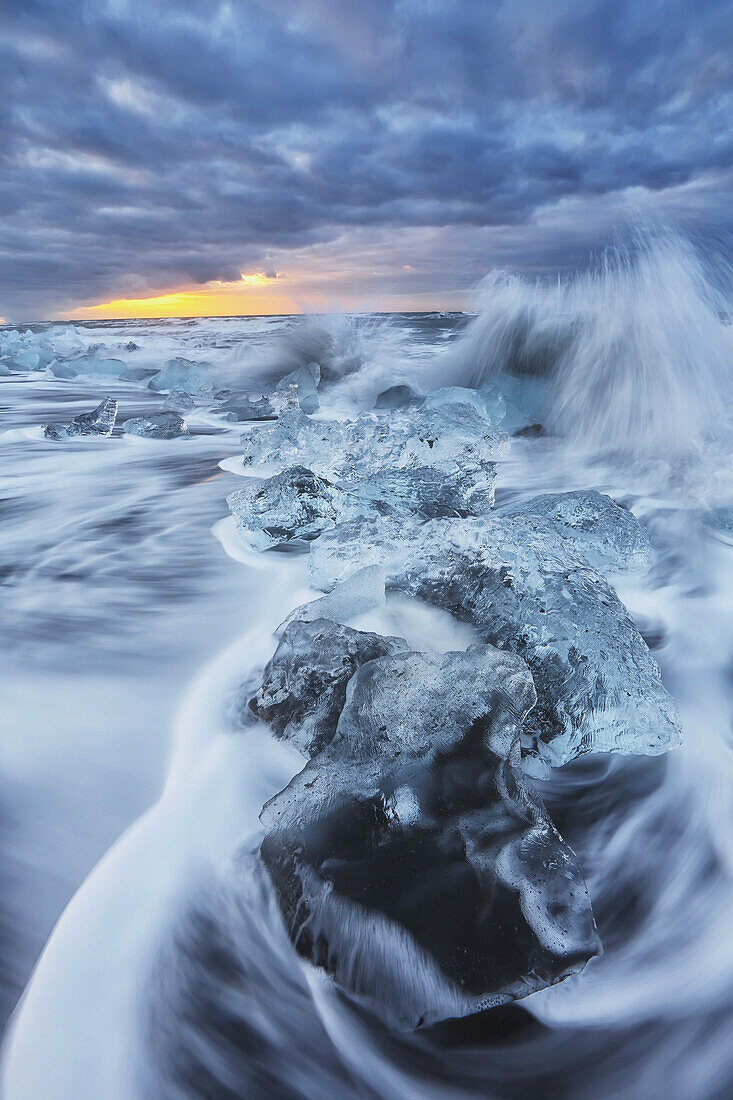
233,316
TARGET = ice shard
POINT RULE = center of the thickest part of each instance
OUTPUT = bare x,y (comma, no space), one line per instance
184,374
100,421
299,389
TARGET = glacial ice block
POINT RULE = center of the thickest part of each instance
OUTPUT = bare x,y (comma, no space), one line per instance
137,374
184,374
441,461
526,588
179,399
489,404
304,684
295,504
100,421
161,425
409,858
607,535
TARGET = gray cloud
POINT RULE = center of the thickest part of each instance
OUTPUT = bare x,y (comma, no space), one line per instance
185,140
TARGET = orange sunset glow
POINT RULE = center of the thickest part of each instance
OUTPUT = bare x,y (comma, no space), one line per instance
254,293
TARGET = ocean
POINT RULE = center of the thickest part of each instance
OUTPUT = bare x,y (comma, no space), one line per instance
142,949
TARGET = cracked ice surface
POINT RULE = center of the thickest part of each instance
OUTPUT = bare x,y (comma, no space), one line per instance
608,536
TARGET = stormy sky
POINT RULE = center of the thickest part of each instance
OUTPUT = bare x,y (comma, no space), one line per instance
370,153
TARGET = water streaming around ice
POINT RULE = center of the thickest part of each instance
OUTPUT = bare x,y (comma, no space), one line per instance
130,801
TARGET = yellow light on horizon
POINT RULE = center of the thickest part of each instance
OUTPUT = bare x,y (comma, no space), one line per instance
240,297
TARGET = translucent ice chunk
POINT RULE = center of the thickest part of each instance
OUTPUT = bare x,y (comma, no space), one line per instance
487,403
184,374
439,461
137,374
299,389
524,585
26,358
161,425
608,536
408,856
99,422
361,592
179,399
295,504
304,684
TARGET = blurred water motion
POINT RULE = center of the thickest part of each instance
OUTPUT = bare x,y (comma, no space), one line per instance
124,625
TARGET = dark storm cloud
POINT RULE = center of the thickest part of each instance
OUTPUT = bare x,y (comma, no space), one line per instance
149,145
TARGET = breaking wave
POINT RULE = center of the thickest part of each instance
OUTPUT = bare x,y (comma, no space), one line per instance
638,350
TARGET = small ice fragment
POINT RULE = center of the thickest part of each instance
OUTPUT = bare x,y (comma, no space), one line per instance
99,422
161,425
237,409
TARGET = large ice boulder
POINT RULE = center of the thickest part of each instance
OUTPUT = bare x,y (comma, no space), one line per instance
409,858
607,535
438,462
